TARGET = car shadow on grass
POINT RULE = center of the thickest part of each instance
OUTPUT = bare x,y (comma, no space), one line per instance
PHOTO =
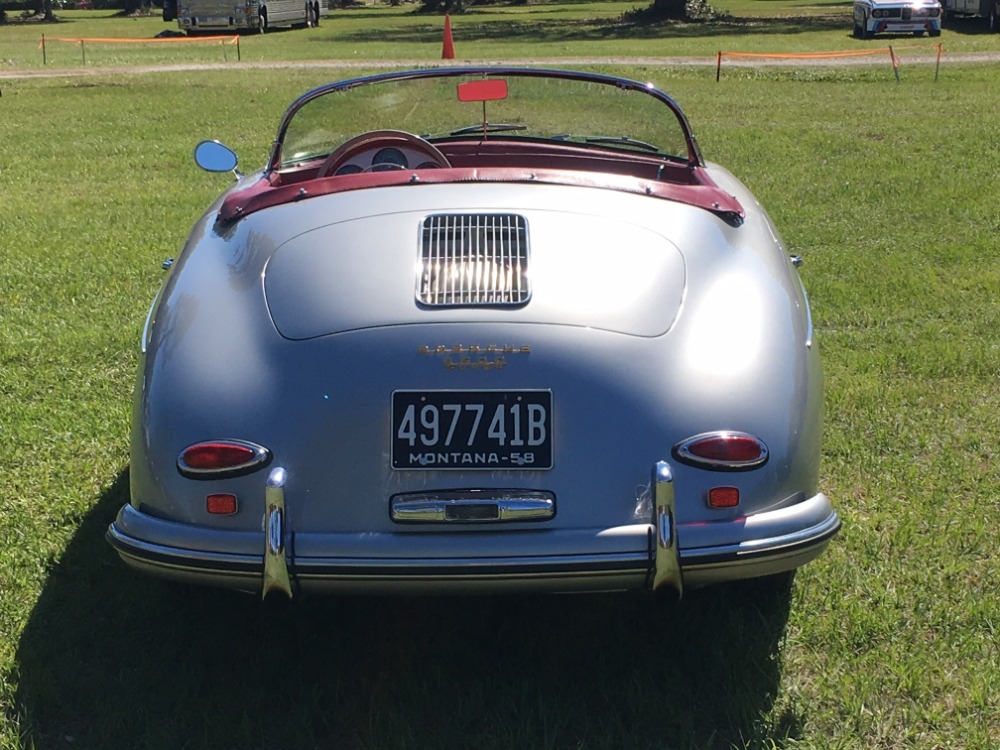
110,658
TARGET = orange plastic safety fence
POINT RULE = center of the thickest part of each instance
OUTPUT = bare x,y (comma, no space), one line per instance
821,55
806,55
893,57
80,40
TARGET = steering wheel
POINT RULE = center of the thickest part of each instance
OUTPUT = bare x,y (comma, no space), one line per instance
380,139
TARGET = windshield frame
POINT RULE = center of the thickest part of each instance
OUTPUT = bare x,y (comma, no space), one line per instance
693,156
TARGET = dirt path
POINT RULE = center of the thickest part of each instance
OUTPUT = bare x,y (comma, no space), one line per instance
925,56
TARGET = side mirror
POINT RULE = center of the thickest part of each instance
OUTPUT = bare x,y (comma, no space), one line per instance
212,156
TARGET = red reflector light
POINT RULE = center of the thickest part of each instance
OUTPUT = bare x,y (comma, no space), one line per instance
221,505
213,459
722,451
723,497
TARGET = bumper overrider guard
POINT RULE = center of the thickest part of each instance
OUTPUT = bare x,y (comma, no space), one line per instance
276,576
788,538
665,561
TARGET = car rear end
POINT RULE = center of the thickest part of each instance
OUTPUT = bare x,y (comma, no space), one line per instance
480,388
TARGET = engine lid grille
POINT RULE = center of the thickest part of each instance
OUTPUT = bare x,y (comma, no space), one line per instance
474,259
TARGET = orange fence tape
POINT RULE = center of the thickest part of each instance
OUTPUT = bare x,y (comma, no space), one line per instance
78,40
81,41
893,58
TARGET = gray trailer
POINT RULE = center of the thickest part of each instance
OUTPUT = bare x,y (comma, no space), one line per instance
988,10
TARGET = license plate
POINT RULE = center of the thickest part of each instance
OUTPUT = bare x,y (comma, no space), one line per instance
472,430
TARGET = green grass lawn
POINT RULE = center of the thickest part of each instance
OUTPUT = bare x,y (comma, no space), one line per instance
888,641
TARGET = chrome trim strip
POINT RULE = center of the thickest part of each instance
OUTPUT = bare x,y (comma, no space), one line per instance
443,569
383,569
165,556
810,537
666,558
147,327
275,565
473,506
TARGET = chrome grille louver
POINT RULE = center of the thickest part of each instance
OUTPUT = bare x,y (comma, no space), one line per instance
474,259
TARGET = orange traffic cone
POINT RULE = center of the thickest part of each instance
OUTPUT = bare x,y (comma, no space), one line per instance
448,49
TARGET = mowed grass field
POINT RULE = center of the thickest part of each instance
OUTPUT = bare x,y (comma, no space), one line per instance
888,190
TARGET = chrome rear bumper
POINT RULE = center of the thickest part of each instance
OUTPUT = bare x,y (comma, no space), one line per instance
635,556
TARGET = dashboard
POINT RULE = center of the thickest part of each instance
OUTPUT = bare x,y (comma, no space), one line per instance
385,159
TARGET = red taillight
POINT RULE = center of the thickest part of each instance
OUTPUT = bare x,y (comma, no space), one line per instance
221,504
214,456
213,459
722,451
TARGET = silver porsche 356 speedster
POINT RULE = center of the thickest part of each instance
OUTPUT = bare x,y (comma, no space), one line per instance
475,330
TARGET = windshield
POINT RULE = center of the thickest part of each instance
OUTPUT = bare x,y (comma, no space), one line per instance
600,112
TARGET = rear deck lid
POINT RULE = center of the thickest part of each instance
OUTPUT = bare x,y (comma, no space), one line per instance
541,266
